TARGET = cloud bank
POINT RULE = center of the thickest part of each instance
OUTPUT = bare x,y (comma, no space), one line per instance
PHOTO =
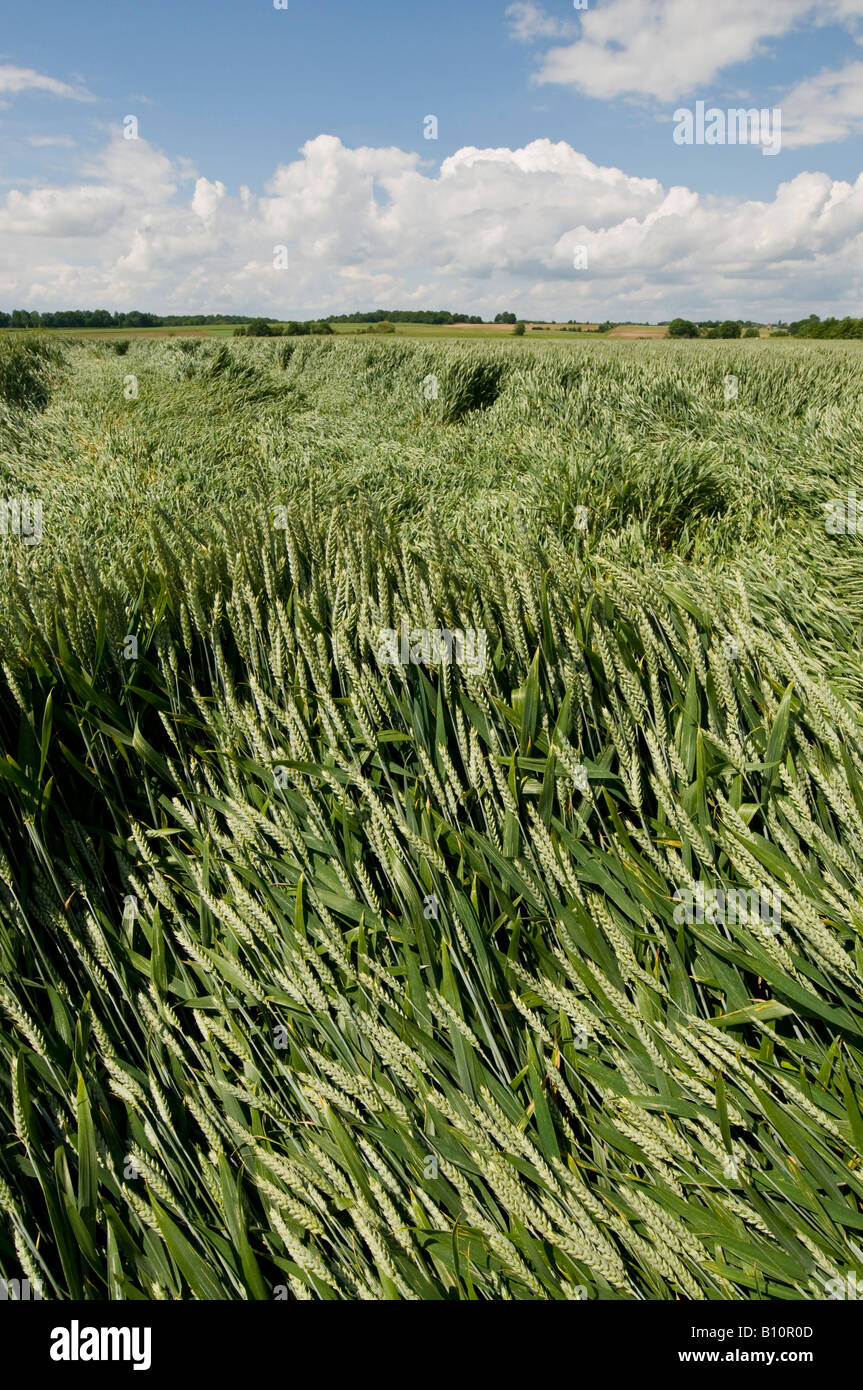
492,229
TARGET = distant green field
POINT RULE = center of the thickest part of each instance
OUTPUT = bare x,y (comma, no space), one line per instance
402,330
467,331
220,330
457,330
559,332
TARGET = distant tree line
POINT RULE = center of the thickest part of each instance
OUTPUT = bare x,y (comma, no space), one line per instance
262,328
814,327
103,318
728,328
439,316
609,323
811,327
574,326
552,326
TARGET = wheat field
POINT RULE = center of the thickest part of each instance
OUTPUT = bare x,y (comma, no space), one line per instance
330,976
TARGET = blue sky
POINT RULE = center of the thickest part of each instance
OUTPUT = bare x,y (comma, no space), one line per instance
229,92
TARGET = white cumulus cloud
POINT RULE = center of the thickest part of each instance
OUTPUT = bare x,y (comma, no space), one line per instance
668,48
